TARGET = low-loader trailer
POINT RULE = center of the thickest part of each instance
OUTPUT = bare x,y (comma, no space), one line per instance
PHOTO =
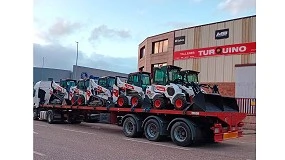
184,127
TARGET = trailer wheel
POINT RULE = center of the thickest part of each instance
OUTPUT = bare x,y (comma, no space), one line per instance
130,127
136,101
35,116
181,134
179,102
152,130
158,102
50,118
122,101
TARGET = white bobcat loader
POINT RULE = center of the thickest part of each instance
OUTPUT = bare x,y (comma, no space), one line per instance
164,89
88,92
198,99
131,93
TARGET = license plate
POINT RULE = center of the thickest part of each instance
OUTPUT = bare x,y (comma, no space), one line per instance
230,135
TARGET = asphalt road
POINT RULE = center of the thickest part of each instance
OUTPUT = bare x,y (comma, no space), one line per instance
88,141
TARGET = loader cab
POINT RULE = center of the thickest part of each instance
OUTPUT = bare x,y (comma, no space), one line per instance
189,76
166,74
140,79
82,84
67,83
107,82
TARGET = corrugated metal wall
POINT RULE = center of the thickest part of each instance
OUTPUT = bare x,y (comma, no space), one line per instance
45,73
77,70
57,74
245,82
218,68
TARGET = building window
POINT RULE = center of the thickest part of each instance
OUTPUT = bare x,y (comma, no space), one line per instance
160,46
141,69
157,65
142,51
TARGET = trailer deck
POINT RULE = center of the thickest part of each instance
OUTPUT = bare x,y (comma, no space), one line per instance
217,126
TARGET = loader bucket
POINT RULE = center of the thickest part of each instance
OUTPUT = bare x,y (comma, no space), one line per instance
213,103
146,102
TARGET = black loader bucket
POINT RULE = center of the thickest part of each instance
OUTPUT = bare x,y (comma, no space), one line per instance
213,103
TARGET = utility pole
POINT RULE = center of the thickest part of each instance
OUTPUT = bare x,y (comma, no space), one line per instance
43,67
76,53
76,60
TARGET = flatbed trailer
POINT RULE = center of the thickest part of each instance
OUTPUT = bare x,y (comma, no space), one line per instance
184,127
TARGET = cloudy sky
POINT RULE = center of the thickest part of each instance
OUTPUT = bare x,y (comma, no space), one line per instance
109,32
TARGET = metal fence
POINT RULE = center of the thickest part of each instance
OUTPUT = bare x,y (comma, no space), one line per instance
247,105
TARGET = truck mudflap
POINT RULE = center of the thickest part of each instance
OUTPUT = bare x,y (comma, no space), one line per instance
214,103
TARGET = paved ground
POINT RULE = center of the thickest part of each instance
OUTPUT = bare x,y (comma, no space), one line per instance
89,141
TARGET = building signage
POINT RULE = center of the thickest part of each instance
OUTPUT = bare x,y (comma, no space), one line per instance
84,75
222,34
243,48
179,40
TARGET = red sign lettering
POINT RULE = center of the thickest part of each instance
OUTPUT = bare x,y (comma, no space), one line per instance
243,48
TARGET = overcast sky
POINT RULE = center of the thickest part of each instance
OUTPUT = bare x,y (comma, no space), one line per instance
109,32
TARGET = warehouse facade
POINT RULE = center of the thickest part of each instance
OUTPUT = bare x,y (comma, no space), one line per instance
78,72
212,49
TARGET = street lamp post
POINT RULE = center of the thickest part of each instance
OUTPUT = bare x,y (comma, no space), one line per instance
43,68
76,53
76,59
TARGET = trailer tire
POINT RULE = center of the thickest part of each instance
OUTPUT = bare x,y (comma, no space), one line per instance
122,101
35,115
158,102
181,134
50,118
152,130
130,127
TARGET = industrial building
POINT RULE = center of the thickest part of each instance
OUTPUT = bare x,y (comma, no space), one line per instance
78,72
223,52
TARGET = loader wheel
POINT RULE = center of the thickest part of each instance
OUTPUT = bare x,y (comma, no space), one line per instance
81,100
158,102
136,101
130,127
73,100
179,102
152,130
181,134
122,101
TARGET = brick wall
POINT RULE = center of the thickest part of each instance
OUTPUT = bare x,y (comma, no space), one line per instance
225,88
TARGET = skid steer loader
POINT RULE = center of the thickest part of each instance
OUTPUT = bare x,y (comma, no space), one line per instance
68,84
132,92
164,91
87,92
189,76
199,100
